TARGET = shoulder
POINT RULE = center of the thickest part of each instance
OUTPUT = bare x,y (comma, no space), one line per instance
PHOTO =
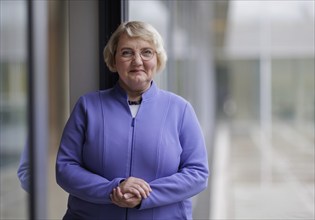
174,99
92,101
96,96
176,104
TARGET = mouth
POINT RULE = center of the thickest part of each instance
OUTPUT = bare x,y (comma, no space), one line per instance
137,71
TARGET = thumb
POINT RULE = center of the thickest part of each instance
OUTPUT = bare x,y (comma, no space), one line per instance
128,195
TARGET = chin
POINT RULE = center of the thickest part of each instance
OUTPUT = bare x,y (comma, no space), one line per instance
140,85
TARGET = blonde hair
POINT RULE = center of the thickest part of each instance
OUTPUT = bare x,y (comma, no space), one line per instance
135,29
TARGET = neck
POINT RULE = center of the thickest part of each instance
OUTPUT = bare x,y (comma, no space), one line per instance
133,95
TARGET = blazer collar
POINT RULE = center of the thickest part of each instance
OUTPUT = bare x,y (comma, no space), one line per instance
147,95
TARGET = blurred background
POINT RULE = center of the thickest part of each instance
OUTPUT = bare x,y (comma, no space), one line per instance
247,67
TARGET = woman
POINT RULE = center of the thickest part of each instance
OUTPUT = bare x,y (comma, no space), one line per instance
134,151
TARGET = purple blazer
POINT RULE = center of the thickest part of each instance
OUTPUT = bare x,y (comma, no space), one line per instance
103,144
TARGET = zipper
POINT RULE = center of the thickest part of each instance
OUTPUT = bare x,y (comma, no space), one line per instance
132,144
133,124
131,154
126,214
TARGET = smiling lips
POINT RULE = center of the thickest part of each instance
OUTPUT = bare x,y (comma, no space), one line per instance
136,70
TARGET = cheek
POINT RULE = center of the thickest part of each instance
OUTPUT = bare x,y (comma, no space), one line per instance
120,66
151,66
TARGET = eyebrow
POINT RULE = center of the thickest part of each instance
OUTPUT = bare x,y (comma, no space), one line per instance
129,48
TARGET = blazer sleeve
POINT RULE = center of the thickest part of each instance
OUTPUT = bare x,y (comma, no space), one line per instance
23,171
71,174
192,175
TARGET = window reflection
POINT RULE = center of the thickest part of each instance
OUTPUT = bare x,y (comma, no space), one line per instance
13,103
13,106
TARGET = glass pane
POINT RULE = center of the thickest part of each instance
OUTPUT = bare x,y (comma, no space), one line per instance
265,77
185,29
13,107
257,58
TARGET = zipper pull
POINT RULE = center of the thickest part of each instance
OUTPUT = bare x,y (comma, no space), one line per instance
133,122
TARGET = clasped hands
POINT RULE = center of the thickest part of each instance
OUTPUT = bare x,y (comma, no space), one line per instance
130,192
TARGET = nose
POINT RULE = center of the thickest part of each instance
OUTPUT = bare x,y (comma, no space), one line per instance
137,58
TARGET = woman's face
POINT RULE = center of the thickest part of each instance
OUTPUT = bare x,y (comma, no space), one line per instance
135,74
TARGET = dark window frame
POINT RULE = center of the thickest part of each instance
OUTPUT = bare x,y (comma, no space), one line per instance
111,14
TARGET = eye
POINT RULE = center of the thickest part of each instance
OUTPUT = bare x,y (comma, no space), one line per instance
147,52
126,53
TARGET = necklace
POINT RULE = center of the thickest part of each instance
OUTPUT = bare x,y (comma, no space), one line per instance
135,102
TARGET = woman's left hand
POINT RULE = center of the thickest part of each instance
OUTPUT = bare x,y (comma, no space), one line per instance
123,200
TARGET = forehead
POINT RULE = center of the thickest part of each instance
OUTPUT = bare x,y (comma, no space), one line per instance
133,42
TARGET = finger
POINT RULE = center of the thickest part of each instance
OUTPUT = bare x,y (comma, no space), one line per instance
147,188
128,195
134,191
114,196
119,193
133,202
138,184
134,180
143,191
144,185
